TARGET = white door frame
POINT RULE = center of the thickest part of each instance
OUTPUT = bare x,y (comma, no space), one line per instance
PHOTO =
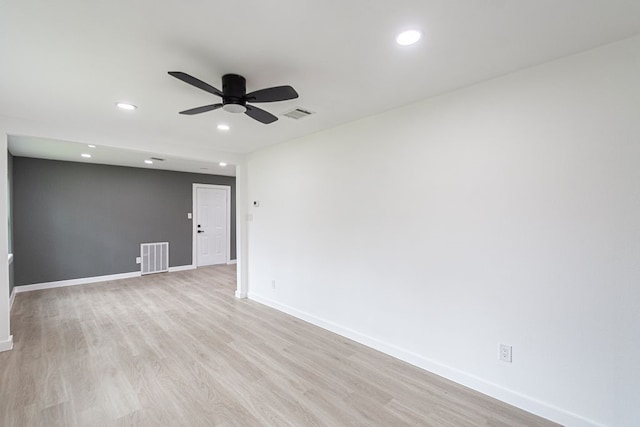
194,221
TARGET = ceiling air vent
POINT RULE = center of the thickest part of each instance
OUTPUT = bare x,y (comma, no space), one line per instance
298,113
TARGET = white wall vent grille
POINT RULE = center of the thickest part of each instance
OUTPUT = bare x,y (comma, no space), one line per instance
154,257
298,113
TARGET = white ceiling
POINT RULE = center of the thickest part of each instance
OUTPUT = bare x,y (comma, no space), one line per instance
66,64
45,148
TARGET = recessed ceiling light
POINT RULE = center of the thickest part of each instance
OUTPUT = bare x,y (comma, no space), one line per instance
408,37
149,162
126,106
91,146
223,127
86,155
223,164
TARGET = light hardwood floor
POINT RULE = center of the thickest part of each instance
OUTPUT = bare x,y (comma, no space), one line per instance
179,349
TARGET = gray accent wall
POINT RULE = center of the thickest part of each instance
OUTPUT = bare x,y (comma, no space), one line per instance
10,215
75,220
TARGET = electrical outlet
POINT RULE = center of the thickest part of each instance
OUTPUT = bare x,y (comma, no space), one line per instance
138,260
505,353
273,284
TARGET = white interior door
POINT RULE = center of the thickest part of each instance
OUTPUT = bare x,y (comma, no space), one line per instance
211,226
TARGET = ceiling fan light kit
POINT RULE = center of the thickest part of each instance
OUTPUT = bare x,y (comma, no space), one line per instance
235,97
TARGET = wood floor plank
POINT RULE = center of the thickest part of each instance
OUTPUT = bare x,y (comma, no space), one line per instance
179,349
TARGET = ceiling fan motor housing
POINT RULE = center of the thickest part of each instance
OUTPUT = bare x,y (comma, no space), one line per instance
234,88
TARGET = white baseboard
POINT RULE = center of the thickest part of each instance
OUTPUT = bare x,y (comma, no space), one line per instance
12,298
74,282
88,280
232,261
242,295
496,391
182,268
7,345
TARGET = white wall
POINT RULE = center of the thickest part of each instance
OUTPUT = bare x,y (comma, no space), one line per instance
242,235
504,212
6,341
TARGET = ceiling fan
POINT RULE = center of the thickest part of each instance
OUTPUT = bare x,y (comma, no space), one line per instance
235,97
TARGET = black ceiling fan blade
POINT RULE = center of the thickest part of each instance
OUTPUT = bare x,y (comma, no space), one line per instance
202,109
195,82
272,94
260,115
